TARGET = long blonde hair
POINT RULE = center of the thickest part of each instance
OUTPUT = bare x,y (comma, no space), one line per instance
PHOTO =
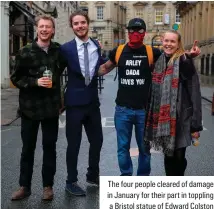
180,51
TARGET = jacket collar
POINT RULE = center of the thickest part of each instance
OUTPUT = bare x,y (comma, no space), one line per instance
52,45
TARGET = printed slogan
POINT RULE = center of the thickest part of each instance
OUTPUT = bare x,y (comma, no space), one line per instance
132,72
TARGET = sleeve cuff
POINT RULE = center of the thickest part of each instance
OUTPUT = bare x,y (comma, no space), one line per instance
193,129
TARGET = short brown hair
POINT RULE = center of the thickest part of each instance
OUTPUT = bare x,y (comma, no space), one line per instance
81,13
44,17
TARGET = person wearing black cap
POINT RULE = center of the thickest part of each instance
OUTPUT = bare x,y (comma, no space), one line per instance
134,78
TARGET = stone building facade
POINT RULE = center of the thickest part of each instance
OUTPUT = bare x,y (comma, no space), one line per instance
197,23
159,17
4,44
18,27
108,21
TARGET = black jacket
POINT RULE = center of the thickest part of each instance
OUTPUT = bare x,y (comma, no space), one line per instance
189,108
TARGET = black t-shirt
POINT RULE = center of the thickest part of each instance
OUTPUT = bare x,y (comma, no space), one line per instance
134,76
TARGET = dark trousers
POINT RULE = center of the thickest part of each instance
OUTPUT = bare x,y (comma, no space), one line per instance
88,116
29,131
176,165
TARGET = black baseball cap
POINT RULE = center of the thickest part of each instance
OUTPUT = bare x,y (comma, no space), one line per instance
137,23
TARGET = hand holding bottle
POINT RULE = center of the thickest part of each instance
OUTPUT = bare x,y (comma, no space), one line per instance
46,80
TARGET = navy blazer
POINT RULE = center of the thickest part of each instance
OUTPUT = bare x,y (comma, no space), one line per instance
77,93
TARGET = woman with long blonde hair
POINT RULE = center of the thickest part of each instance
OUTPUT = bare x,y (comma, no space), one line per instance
174,112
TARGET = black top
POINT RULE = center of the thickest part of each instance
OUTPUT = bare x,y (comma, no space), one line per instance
134,76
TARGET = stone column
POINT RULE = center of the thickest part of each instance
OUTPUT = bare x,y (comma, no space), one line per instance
4,44
212,10
189,28
197,25
185,29
210,32
194,23
203,21
191,17
206,25
211,20
199,16
183,25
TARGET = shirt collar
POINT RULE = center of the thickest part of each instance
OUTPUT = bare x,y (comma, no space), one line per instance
80,42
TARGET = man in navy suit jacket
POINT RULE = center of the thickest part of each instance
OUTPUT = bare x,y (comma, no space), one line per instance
83,57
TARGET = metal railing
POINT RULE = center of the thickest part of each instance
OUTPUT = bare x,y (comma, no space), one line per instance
64,80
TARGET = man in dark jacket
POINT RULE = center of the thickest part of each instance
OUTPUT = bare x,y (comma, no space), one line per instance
39,102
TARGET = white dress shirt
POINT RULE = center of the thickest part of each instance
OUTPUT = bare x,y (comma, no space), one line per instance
92,53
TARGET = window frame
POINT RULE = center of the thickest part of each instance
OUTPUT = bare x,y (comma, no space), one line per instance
139,12
100,14
177,14
159,10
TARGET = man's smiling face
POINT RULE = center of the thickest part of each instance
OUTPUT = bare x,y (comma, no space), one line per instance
80,26
45,30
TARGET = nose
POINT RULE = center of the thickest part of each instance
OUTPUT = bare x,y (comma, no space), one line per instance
80,25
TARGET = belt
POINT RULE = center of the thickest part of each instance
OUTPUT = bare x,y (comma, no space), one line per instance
133,108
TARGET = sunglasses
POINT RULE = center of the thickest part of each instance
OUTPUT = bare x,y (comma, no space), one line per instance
132,30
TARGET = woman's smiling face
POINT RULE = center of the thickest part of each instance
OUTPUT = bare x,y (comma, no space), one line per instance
170,43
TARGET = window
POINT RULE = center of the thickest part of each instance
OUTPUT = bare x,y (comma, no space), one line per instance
177,17
100,13
158,16
139,13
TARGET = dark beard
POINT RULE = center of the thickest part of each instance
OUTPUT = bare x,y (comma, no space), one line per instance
83,36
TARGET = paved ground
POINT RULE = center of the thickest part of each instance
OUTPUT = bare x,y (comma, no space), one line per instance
200,159
9,98
207,87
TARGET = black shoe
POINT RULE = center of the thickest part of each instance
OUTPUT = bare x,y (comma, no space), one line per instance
75,189
93,181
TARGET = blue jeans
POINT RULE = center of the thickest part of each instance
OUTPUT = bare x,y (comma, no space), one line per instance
124,120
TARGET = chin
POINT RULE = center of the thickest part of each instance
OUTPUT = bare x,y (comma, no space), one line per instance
81,36
45,39
168,54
